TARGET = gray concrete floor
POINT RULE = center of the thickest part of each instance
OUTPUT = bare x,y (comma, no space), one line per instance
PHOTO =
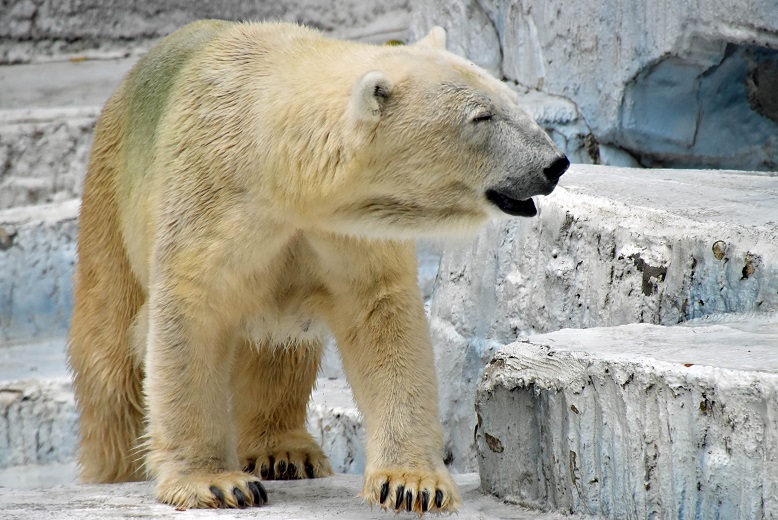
328,498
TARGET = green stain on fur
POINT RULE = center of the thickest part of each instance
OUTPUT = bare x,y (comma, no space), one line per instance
149,85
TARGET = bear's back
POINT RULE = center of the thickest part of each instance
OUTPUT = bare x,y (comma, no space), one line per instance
146,90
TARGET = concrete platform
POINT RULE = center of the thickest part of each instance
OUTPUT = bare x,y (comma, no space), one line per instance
636,421
327,498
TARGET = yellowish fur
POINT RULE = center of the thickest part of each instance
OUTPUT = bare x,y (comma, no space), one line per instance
250,186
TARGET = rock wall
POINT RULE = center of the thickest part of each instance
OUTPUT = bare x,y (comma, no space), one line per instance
684,84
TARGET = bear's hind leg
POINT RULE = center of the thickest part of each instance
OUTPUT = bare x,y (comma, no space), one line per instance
107,376
271,386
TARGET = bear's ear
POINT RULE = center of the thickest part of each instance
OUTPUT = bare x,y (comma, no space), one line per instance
369,95
435,39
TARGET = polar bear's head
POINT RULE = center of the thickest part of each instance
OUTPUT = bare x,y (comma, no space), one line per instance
442,145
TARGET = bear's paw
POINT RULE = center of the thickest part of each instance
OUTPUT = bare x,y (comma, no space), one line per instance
295,456
229,489
411,490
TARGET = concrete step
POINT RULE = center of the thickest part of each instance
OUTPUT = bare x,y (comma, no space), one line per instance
39,428
46,130
611,246
38,418
46,30
636,421
37,255
328,498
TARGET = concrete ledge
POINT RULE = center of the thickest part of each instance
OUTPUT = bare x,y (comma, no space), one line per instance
611,246
39,424
335,422
45,132
328,498
636,421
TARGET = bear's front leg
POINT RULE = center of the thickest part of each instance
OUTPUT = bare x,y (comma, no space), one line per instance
378,320
192,454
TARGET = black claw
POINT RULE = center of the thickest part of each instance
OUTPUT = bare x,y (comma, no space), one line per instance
292,470
309,470
262,491
281,468
399,496
425,501
263,471
271,468
409,500
251,466
384,492
438,498
240,498
255,492
218,494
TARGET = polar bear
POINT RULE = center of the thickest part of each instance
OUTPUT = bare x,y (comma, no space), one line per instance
251,187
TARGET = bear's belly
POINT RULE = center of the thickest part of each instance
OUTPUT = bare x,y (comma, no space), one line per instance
284,330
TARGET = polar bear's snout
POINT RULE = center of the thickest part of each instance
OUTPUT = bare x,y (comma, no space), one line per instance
514,196
556,169
511,205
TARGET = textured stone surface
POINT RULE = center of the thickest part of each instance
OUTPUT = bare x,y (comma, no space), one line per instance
43,155
560,118
335,423
611,246
46,130
37,29
637,421
688,84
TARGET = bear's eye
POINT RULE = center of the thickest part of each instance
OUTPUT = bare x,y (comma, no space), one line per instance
481,117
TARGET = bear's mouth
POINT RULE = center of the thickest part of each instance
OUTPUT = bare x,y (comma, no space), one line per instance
511,206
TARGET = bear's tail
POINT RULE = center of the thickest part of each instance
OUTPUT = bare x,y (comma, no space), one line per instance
108,377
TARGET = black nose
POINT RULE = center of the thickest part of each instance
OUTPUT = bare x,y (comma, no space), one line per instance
557,168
